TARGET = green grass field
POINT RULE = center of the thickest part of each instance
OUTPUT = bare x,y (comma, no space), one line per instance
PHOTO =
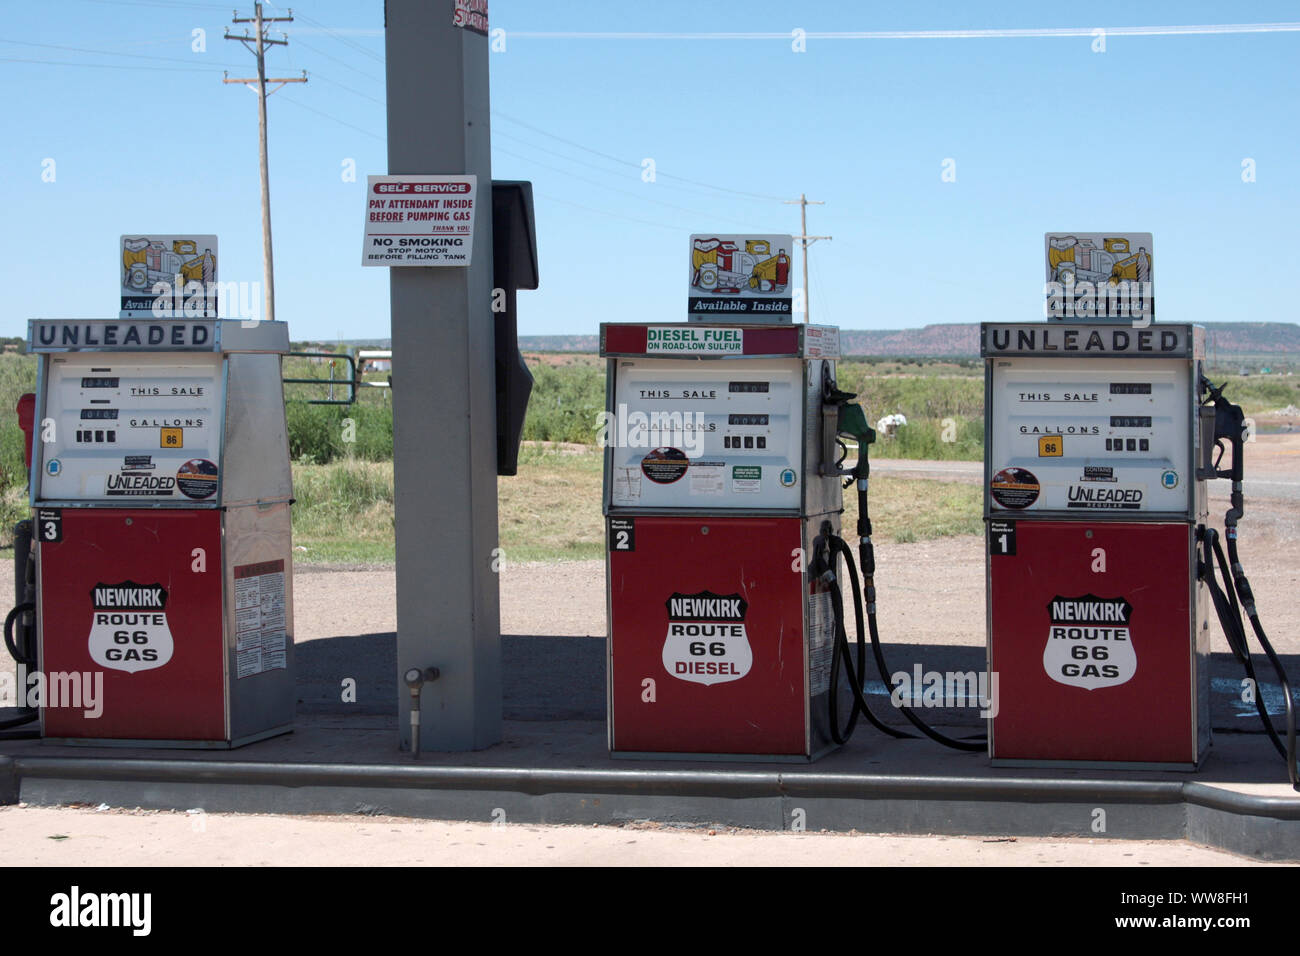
551,510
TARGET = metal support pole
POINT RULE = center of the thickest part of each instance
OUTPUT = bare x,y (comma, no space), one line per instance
444,404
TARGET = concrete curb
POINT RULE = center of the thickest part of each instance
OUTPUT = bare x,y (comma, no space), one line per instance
1264,827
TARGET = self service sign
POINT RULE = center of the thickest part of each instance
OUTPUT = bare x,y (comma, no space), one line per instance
419,220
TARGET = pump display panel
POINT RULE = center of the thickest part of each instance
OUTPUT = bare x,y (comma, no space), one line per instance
1093,435
131,428
684,434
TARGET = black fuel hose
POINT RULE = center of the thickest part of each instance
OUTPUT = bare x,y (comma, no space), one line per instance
867,554
21,659
1229,601
855,669
1236,595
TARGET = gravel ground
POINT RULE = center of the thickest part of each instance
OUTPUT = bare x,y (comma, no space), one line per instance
931,592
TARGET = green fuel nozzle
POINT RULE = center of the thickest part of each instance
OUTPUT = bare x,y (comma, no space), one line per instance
844,418
853,424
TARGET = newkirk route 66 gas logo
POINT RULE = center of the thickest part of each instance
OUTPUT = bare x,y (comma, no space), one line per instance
128,630
1089,644
706,641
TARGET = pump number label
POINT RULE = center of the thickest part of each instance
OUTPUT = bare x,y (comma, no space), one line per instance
1050,446
49,525
1002,538
622,534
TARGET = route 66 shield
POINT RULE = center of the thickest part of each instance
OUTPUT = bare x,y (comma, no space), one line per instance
1089,643
707,642
128,630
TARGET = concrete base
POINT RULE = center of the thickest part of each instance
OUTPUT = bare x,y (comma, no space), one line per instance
552,768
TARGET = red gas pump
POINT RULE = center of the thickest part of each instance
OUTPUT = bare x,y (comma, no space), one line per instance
717,495
1098,625
161,490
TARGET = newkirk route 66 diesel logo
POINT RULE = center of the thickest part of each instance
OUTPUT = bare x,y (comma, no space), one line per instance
128,630
706,641
1089,644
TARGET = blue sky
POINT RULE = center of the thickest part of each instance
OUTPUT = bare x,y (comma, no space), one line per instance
1046,134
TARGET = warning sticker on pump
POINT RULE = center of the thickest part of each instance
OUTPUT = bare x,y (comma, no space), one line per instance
821,641
261,635
746,479
708,477
663,466
627,485
197,479
1014,488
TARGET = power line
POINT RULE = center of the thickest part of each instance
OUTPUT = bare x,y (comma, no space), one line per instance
344,40
78,49
163,4
625,192
317,75
107,66
312,109
605,212
297,36
629,162
1209,29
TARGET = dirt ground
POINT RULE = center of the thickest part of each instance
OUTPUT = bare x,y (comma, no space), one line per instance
44,836
931,592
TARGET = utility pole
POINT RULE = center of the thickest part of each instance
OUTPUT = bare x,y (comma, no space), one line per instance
257,46
803,202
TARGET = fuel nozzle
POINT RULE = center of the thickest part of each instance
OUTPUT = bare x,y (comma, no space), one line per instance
1229,426
842,417
853,424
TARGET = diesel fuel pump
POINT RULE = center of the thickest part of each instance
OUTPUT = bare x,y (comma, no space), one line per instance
721,635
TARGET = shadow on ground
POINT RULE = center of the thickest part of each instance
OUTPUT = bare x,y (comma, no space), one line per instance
563,678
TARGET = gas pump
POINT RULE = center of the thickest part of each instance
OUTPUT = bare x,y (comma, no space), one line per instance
161,489
1099,441
1094,494
718,496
